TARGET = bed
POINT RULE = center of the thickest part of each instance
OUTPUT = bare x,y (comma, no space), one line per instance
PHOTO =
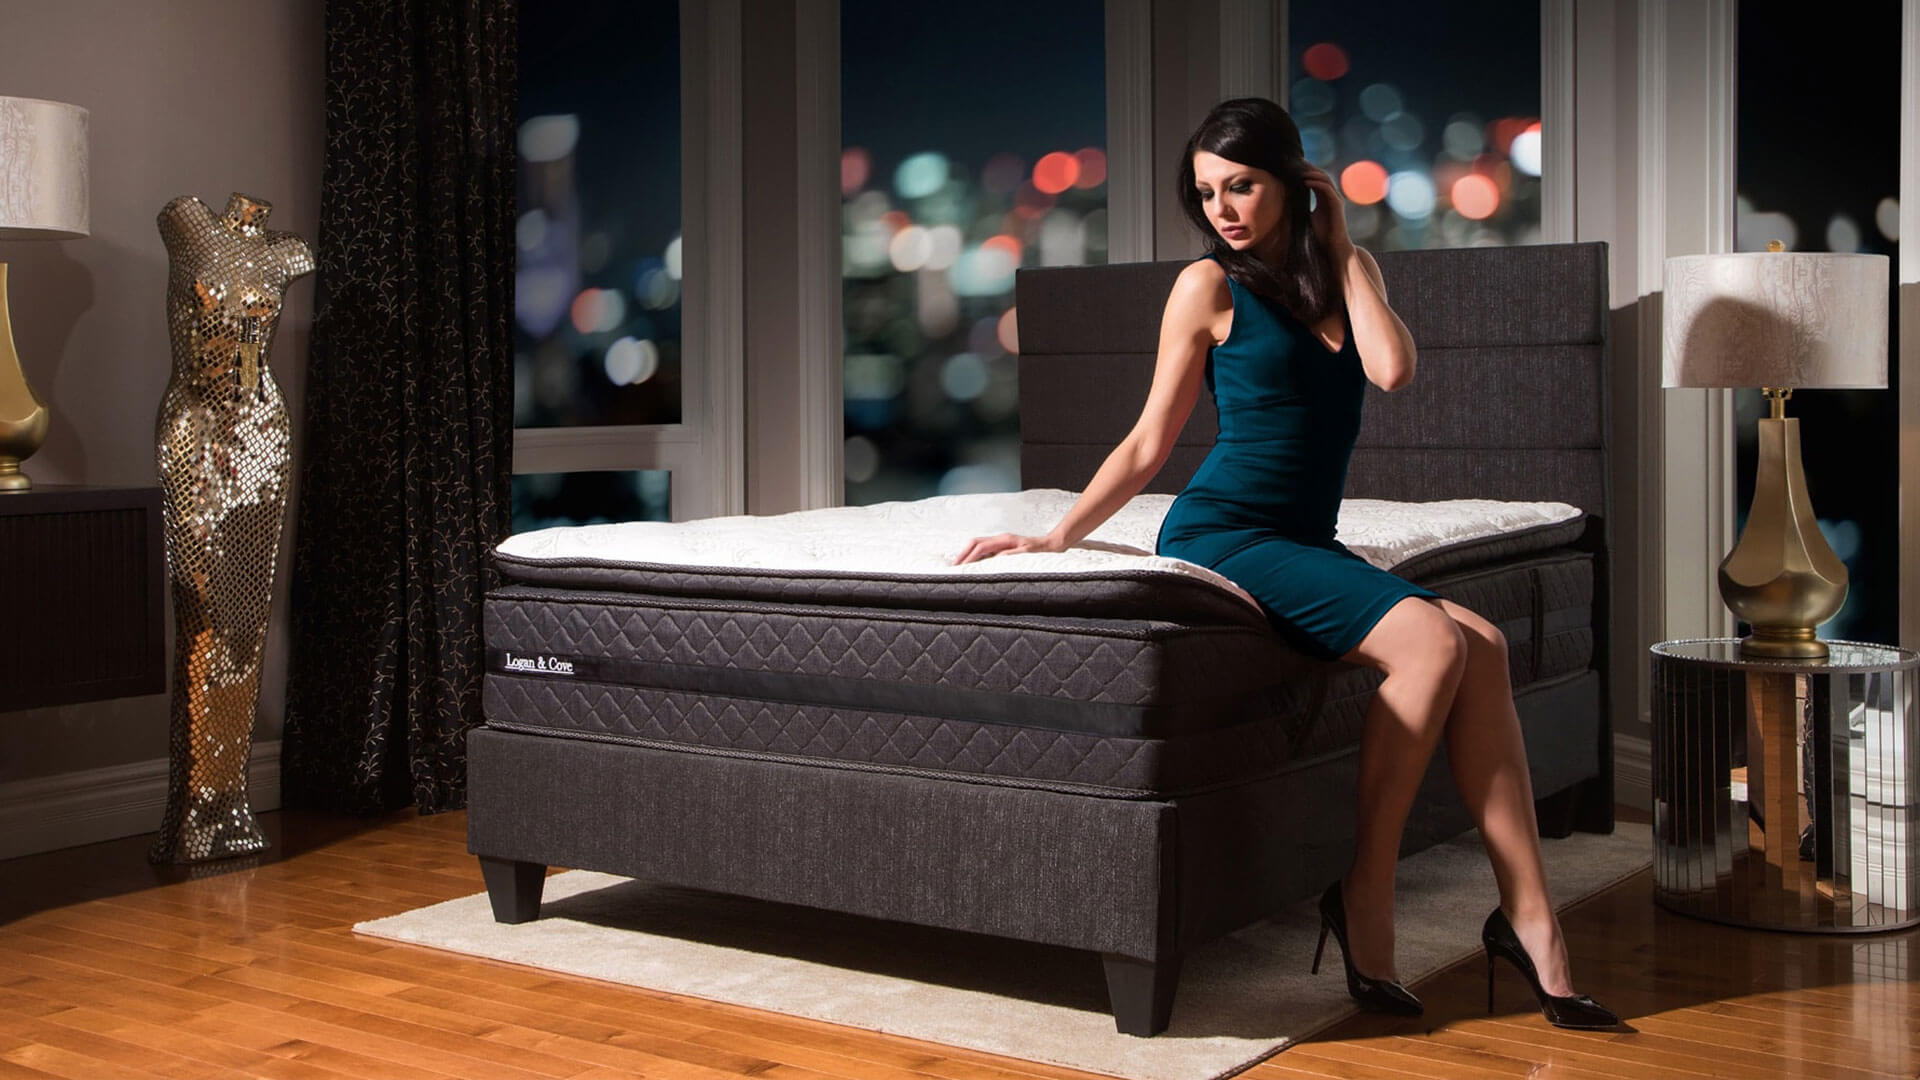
1115,758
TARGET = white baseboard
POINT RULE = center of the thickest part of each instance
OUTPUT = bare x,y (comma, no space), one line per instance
1633,771
50,812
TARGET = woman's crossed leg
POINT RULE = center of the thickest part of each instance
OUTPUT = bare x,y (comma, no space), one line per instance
1446,676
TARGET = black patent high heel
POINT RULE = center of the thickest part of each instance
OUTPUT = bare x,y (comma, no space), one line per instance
1380,995
1577,1011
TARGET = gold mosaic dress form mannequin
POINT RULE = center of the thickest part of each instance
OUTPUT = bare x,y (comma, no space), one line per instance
224,457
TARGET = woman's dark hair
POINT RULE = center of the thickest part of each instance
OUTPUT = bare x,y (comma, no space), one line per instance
1256,132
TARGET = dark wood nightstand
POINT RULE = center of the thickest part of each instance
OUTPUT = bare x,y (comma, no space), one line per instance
81,572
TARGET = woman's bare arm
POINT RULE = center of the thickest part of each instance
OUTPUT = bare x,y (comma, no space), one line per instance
1386,349
1199,298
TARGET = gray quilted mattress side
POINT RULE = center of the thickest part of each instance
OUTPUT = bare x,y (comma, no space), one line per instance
1145,677
1233,704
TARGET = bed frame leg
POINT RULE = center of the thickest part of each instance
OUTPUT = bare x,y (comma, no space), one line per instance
1593,805
1555,814
1141,992
513,888
1585,807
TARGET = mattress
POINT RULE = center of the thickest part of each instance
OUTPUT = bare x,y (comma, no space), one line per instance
900,554
1125,679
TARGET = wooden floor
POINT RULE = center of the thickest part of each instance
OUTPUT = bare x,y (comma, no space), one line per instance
109,969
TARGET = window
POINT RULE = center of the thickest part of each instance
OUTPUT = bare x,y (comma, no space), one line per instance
973,145
1428,116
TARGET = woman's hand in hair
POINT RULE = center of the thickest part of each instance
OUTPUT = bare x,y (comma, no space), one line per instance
985,547
1329,216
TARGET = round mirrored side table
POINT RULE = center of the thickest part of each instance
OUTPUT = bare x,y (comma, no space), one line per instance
1785,792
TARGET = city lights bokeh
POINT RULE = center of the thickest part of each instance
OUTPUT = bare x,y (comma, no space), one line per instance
1427,115
928,265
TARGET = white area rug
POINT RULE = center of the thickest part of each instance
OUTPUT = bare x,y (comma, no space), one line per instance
1241,998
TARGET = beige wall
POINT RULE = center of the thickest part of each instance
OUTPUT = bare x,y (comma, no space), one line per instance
200,97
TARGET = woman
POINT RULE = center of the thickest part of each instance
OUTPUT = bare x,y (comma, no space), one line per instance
1285,320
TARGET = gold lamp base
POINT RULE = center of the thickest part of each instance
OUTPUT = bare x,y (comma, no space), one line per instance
1782,577
23,420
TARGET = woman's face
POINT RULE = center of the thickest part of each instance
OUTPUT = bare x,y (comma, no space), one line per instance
1247,206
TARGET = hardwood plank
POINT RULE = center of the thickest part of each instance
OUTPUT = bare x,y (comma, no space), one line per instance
140,931
1442,1061
58,1061
172,1039
1338,1068
12,1070
1760,1050
67,983
169,974
191,958
76,1031
1604,1057
330,1046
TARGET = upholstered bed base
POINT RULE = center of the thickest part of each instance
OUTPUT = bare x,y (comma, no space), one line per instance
1140,882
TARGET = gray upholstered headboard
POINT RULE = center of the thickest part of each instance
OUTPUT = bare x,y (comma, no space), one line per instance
1509,400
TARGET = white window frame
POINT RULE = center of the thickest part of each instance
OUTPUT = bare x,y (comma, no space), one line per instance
703,453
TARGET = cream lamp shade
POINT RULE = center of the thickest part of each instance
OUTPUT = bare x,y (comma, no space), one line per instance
43,170
43,196
1785,319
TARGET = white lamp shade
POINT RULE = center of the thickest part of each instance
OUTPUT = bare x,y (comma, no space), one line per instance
43,170
1787,319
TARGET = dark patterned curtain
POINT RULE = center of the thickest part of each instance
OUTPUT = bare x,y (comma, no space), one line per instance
409,404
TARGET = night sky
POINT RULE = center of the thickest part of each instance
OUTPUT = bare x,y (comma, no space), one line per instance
919,76
1435,53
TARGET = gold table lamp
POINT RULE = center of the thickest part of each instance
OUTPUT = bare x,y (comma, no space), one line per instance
1779,321
43,196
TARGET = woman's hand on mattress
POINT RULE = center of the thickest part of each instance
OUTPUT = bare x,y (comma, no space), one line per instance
986,547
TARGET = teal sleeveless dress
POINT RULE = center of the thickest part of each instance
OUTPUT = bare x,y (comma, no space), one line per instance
1261,508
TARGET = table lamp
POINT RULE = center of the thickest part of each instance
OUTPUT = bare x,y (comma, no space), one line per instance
43,196
1779,321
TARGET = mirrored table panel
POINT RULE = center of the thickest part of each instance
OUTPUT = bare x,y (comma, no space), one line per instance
1784,791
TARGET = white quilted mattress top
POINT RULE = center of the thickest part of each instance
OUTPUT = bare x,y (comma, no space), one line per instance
924,536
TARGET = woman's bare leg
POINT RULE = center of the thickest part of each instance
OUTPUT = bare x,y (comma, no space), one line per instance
1423,653
1489,762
